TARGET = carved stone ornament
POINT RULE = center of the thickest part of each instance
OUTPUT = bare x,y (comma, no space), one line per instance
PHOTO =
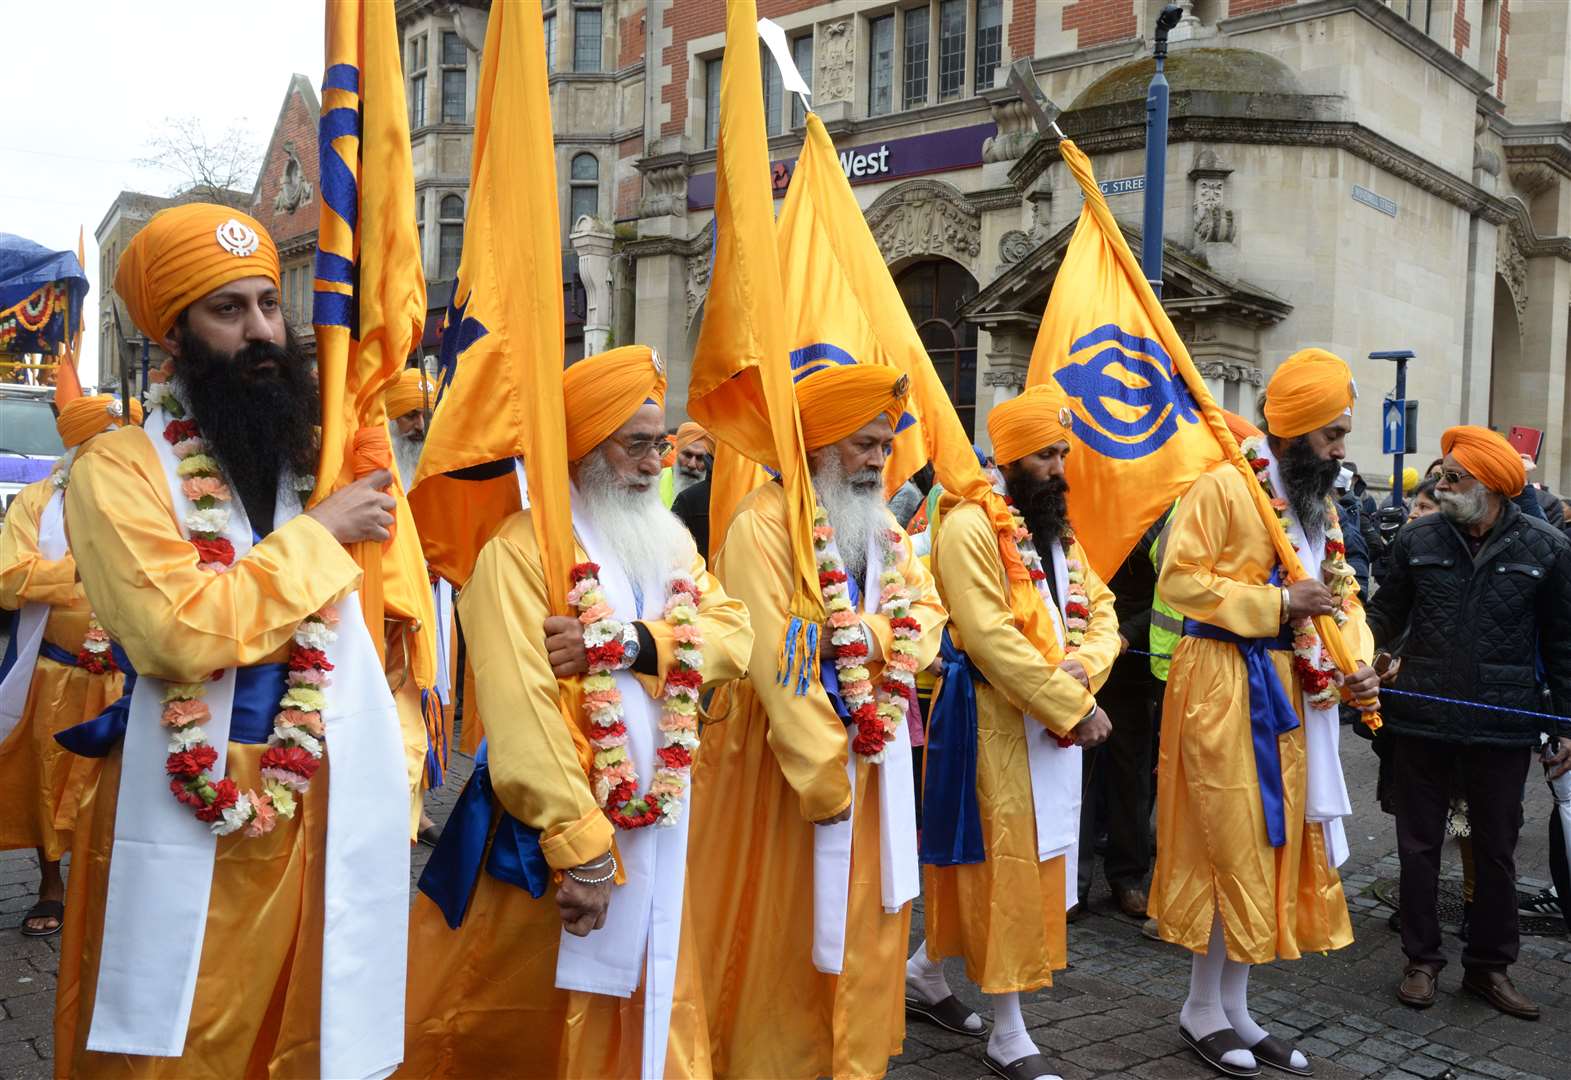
1512,267
1229,371
1013,246
698,272
294,191
836,62
665,191
1016,131
1011,378
1213,221
926,217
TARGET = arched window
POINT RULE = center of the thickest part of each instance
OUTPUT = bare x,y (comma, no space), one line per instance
584,184
934,291
451,237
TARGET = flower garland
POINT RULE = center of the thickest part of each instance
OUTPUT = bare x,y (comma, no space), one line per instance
612,776
1311,663
94,657
877,715
294,748
1077,604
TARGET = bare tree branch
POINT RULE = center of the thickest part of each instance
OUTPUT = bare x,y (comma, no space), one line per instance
218,167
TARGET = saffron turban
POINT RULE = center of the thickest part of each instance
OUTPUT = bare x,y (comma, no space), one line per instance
183,254
1023,425
1488,456
838,400
1310,390
602,392
82,418
412,391
690,433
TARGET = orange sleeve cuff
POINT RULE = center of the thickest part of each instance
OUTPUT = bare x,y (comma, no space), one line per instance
577,842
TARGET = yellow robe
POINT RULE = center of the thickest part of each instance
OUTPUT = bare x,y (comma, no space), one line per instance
1006,915
1212,851
483,999
40,782
764,774
258,994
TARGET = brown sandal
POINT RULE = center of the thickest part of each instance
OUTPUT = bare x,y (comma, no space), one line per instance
44,909
1213,1046
1027,1068
949,1014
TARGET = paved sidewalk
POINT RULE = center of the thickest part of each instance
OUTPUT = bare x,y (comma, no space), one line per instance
1114,1012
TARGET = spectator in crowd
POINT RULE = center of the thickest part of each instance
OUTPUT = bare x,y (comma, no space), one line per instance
1483,594
1351,520
691,507
1548,502
1366,501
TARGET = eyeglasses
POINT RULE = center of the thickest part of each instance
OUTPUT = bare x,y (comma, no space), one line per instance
642,447
1453,477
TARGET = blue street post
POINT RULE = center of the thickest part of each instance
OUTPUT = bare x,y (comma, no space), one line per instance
1156,154
1396,441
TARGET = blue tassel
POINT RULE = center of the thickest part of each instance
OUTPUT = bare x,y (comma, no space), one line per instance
805,679
788,652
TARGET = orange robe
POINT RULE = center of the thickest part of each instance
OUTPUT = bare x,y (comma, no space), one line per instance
257,1007
1212,851
40,782
483,999
1006,915
776,764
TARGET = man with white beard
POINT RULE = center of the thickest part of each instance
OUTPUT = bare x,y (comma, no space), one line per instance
409,402
807,864
603,982
690,465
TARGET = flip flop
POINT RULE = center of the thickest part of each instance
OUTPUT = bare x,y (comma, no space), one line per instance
949,1014
44,909
1027,1068
1213,1046
1278,1054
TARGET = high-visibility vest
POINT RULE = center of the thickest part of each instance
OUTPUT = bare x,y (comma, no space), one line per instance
1167,625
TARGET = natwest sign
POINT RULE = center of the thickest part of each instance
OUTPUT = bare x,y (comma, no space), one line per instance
938,151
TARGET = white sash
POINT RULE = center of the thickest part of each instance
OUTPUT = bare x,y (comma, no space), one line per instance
31,621
1056,771
900,876
1326,800
161,866
643,927
442,598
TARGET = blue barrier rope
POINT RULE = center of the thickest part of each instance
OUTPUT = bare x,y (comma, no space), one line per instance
1416,695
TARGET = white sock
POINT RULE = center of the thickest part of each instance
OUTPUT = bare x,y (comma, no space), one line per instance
1235,1002
925,981
1203,1013
1010,1042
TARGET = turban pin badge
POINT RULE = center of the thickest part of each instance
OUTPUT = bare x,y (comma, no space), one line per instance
115,409
902,385
237,238
659,363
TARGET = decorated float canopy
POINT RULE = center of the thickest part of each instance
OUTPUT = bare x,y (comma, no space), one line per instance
41,295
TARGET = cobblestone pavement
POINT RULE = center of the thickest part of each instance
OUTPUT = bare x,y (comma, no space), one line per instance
1114,1012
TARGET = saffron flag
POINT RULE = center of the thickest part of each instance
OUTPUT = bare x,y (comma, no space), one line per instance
740,388
499,395
68,381
370,291
1144,424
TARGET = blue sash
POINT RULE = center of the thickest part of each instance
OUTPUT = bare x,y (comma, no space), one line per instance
258,690
8,661
454,867
1271,714
951,816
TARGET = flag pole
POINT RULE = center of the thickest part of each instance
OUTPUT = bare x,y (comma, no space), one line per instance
1156,154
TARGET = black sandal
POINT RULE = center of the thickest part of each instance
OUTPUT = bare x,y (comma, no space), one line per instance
1213,1046
44,909
1027,1068
1278,1054
949,1014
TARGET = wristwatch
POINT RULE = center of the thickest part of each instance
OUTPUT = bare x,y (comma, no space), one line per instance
629,645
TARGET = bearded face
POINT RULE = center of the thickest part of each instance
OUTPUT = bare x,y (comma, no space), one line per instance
1464,508
1309,480
1043,501
854,503
647,540
257,408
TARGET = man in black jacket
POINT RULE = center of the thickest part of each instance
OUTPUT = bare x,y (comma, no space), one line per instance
1484,594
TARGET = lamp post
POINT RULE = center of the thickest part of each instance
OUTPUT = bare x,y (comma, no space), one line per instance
1156,153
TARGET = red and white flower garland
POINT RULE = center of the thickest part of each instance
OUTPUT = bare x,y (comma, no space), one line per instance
1311,663
295,747
877,716
94,657
1077,604
613,776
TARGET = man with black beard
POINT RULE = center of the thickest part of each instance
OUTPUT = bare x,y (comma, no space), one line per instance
1250,793
1035,666
1483,593
200,561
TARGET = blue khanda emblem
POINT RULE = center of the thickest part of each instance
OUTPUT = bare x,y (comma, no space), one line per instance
1148,386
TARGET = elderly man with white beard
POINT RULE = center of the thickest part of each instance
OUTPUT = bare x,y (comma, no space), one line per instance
409,402
602,982
807,864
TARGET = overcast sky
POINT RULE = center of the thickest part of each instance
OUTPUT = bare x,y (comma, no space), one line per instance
89,82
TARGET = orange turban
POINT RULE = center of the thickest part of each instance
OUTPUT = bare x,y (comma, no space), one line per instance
602,392
1023,425
836,401
1310,390
690,433
412,391
82,418
1488,456
183,254
1242,429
